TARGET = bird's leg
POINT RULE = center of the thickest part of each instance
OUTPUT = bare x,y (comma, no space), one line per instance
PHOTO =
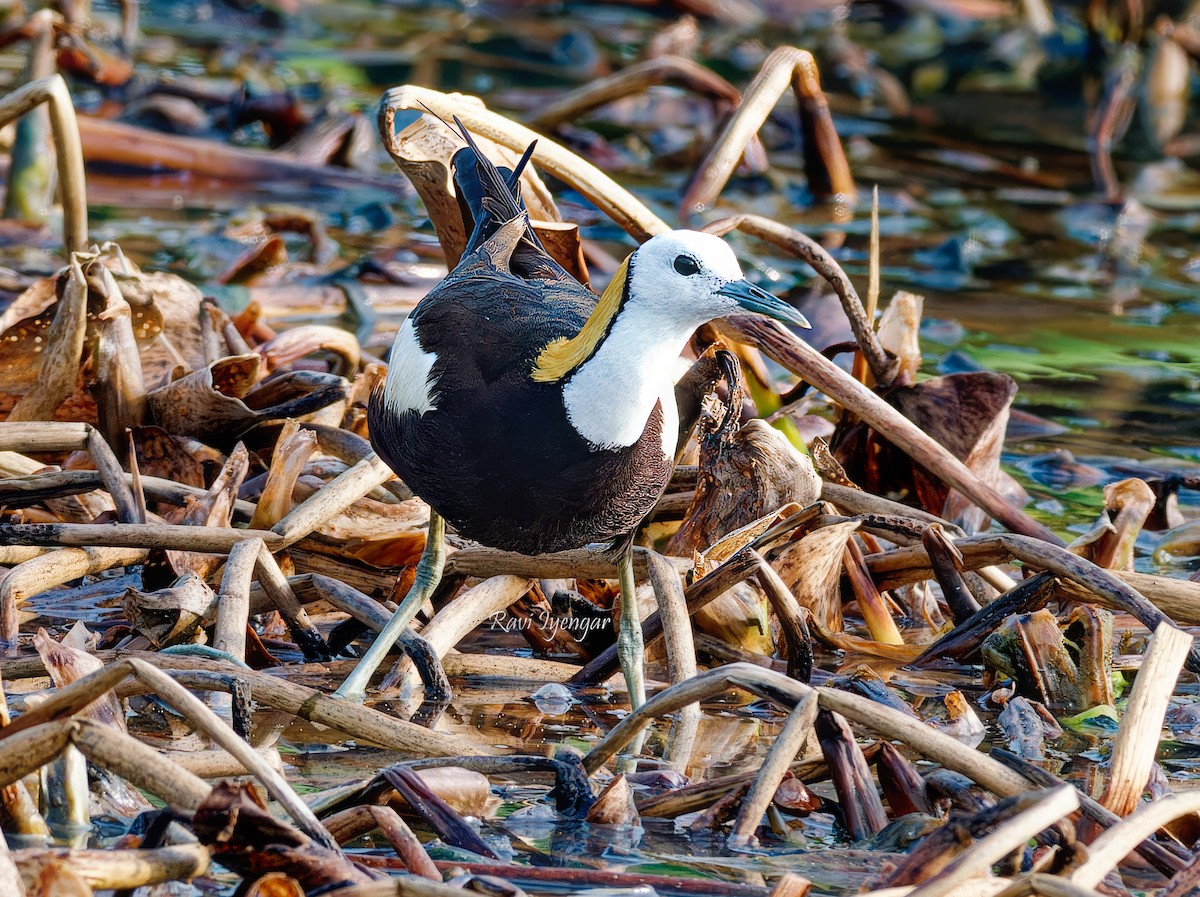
631,649
429,574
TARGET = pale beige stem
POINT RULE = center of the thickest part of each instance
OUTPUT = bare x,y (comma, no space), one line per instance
1010,835
107,869
788,744
1140,732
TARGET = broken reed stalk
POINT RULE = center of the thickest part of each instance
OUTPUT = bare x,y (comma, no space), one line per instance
786,747
353,720
785,65
810,365
1107,587
72,698
1137,740
215,539
137,763
1115,843
284,600
72,184
791,617
582,563
22,490
64,436
355,822
813,254
1010,835
860,369
233,609
1178,598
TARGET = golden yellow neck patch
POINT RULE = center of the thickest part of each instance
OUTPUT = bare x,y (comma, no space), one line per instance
561,356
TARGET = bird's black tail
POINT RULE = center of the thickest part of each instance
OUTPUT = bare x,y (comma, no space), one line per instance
490,196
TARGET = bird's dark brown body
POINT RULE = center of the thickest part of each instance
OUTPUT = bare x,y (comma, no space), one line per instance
496,455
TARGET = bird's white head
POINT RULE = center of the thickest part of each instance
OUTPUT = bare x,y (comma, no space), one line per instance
695,276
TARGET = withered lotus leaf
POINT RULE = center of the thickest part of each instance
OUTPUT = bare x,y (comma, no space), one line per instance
222,400
812,569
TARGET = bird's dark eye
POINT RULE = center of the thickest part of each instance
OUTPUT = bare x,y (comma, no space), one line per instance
686,265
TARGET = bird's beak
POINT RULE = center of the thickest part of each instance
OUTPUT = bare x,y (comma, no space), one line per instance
759,301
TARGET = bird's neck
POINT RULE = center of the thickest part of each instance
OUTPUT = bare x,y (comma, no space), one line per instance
610,397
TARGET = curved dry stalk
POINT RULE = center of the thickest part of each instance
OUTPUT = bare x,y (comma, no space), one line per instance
786,65
73,185
806,362
1107,587
787,693
791,617
677,70
1115,843
357,821
788,744
51,569
1136,744
1008,836
139,764
457,620
601,190
813,254
279,590
108,869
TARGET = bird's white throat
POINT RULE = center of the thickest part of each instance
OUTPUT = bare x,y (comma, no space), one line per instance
610,397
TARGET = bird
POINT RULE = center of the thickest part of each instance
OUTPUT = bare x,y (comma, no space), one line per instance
530,414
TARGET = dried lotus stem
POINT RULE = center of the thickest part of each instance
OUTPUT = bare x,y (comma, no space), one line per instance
73,185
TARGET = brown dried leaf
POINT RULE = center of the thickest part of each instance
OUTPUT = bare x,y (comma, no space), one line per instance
66,664
812,569
615,805
1110,542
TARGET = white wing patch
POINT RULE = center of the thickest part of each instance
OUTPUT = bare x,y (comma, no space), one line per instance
408,387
